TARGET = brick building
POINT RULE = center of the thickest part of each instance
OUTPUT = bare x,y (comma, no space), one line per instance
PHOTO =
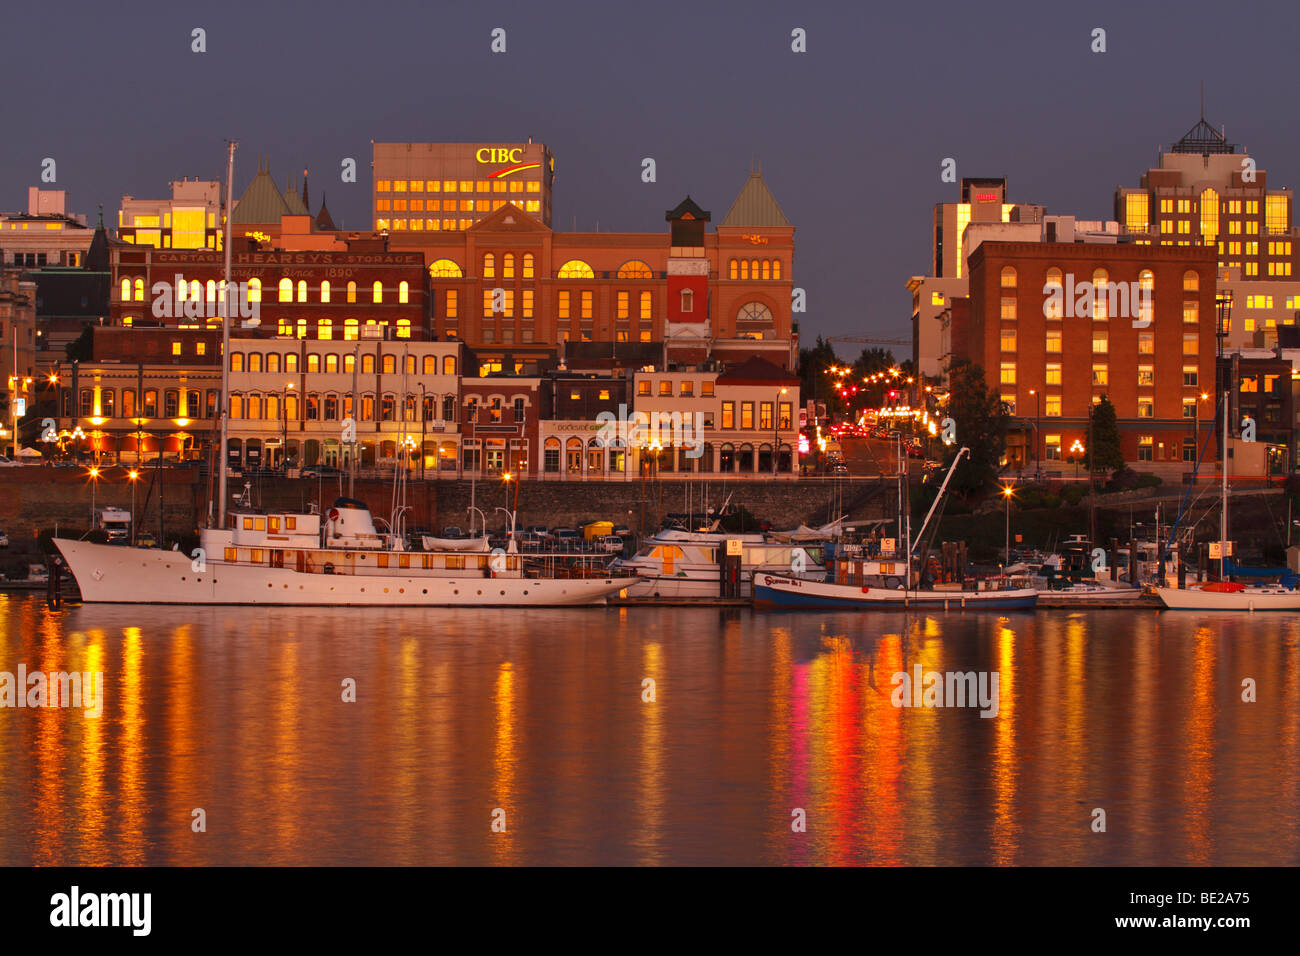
1051,350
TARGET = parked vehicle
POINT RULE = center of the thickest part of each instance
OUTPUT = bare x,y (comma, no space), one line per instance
7,462
566,538
594,530
839,469
610,543
915,450
145,539
320,471
622,530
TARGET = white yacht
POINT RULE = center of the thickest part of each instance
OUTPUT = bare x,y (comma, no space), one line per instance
677,563
339,558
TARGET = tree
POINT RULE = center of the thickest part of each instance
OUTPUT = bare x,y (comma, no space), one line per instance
82,348
1104,452
980,421
813,381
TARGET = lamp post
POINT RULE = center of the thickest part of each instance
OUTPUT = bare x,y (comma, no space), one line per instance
284,427
1076,450
424,416
94,480
1038,405
1196,440
1008,492
776,432
133,476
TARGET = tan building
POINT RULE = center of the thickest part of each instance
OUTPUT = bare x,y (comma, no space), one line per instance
45,235
190,219
448,187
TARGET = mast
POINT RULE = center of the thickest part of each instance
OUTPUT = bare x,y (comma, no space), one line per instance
224,412
1223,511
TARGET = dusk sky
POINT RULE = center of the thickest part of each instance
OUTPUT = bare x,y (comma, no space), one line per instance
851,133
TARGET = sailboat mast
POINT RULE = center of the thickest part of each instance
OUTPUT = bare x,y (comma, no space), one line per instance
227,294
1223,513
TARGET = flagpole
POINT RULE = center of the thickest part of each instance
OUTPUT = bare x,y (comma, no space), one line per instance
224,411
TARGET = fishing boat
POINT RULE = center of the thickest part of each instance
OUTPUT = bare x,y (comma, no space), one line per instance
888,583
336,559
1227,595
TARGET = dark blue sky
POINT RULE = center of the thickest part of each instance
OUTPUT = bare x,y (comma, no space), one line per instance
851,134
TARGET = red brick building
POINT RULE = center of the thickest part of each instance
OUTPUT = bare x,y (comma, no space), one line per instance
1052,345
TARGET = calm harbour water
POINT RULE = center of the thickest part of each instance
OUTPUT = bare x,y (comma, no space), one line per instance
540,713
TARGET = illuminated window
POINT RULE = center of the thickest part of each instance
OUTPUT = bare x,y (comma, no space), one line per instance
646,306
1146,343
1008,307
1100,343
586,305
1053,340
1100,375
1052,405
1191,344
1191,281
403,291
452,309
623,307
126,290
324,328
1275,214
1191,311
564,310
377,292
1136,212
1008,277
575,269
286,290
324,291
139,290
1008,340
733,270
528,266
528,304
1146,376
1008,373
1053,375
489,266
1100,290
444,269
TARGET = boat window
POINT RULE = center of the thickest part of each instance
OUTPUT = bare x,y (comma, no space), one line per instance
255,555
259,524
455,563
290,524
273,524
657,553
230,555
248,524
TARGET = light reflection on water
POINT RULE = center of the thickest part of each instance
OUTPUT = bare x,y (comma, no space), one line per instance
543,717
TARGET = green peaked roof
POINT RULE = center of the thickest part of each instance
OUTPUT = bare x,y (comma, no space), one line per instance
294,201
261,201
755,206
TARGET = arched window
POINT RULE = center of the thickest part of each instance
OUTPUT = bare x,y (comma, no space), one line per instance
635,269
255,361
302,290
1100,294
332,363
352,292
210,290
489,266
196,290
1191,281
1053,304
449,365
430,365
410,365
529,271
776,268
313,363
403,291
236,361
754,312
349,364
291,362
325,291
367,364
126,290
254,290
767,268
508,266
324,328
733,270
576,269
286,290
390,364
273,362
139,290
744,268
1008,277
444,269
377,292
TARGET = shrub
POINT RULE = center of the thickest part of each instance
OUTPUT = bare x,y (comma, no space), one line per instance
1072,494
1149,481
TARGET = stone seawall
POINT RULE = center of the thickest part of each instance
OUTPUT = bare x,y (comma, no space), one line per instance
34,497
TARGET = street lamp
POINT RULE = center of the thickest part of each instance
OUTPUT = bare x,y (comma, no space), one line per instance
1075,451
1038,405
133,476
94,480
284,428
1008,492
1196,441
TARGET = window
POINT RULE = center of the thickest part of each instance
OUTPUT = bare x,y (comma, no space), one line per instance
1190,375
666,388
565,310
1189,408
1052,405
1052,447
1008,373
1145,445
1100,375
575,269
377,292
765,415
706,389
1053,374
1191,344
636,269
746,414
754,312
1053,340
352,292
586,305
1101,292
728,415
1008,277
1100,343
236,361
1191,281
529,271
688,388
1146,343
1008,307
688,300
444,269
1191,311
489,266
1146,376
286,290
403,291
1008,339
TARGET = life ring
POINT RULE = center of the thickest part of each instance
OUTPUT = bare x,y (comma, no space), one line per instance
328,569
334,514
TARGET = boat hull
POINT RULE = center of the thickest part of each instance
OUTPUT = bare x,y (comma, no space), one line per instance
779,592
1197,599
112,574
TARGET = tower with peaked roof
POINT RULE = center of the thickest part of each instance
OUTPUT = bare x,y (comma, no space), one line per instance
1207,191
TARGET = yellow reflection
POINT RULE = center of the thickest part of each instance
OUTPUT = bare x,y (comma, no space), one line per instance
1198,776
129,702
650,791
503,844
1006,831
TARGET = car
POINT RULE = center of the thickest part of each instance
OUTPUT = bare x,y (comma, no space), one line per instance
320,471
538,529
567,538
915,451
839,469
145,540
622,531
6,462
4,540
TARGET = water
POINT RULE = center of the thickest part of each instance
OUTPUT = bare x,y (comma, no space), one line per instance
540,713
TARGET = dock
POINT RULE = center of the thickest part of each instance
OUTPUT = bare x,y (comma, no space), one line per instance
1048,599
653,601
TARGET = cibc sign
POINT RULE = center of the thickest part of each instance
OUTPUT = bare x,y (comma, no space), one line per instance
500,154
